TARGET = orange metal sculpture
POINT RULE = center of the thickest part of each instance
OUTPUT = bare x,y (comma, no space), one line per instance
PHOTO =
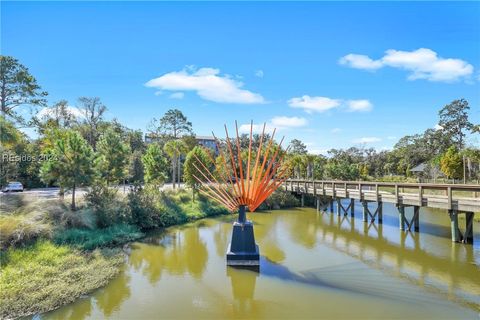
244,182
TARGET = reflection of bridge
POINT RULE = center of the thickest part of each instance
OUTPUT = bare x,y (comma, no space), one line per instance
403,195
414,263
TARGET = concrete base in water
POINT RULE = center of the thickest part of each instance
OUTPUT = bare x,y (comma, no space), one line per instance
242,250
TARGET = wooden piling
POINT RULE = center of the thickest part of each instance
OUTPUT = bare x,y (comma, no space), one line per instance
380,212
365,211
352,207
339,206
454,225
401,217
416,218
469,227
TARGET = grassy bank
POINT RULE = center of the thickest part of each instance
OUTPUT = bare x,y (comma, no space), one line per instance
45,276
51,255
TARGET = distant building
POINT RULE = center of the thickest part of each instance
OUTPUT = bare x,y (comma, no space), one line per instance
207,142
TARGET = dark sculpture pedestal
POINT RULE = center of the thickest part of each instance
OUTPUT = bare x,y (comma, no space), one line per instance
242,250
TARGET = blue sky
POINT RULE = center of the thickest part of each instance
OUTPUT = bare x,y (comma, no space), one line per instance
333,74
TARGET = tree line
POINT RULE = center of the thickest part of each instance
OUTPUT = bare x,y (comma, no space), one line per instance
80,147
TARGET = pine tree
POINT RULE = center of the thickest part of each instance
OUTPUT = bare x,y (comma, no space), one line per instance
155,164
70,163
113,157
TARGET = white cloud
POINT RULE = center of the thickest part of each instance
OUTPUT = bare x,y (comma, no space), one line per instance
422,63
314,104
288,122
359,105
279,122
208,83
360,61
336,130
437,127
259,73
177,95
321,104
50,112
367,140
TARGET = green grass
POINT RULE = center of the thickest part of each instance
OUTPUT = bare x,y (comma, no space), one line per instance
45,276
89,239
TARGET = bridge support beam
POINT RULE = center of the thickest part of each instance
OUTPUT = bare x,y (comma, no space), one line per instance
365,211
302,199
469,227
401,217
331,205
352,207
416,218
380,212
456,233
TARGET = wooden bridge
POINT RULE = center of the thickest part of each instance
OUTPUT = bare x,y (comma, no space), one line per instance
455,198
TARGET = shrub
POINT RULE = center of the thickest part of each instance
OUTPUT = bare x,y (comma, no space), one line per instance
141,206
108,209
90,239
280,199
19,230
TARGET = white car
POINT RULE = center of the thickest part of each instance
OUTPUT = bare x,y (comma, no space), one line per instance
13,186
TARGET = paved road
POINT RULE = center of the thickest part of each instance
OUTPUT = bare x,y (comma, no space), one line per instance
52,193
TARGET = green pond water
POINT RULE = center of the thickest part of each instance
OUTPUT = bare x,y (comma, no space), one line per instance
314,265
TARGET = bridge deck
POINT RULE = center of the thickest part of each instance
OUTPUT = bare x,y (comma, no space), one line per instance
372,191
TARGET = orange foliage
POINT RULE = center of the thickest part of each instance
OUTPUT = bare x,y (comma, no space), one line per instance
248,186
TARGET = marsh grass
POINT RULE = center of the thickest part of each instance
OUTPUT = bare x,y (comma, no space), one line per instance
45,276
89,239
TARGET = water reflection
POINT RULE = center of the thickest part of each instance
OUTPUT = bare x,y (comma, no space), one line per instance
408,256
111,299
177,252
307,257
243,282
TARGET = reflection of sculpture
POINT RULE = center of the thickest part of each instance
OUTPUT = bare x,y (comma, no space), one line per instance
243,183
243,289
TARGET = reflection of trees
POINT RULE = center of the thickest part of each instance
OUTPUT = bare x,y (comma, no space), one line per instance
303,229
221,236
179,252
79,310
266,228
114,295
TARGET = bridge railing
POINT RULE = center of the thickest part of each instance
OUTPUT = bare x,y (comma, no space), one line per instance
394,188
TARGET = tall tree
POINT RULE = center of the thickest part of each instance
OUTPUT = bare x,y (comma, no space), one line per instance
196,159
174,149
454,120
17,88
155,165
92,109
70,163
113,157
58,116
172,126
451,163
297,147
